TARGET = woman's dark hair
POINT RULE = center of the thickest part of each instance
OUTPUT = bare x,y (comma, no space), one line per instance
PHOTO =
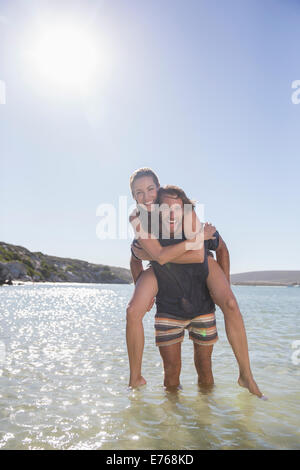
143,172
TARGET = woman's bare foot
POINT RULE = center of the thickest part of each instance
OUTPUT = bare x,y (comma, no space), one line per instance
139,382
251,385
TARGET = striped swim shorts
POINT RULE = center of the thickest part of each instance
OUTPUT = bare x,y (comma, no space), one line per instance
170,329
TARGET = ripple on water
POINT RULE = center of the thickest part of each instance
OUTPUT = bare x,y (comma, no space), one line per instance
64,380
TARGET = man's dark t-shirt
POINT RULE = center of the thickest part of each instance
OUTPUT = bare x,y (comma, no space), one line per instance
188,280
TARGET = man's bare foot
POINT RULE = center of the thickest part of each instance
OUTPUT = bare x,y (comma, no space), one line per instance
251,385
139,382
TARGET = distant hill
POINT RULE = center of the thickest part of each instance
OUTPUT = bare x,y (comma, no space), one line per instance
270,278
18,263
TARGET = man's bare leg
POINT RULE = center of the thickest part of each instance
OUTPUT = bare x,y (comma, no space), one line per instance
145,289
171,356
223,296
202,359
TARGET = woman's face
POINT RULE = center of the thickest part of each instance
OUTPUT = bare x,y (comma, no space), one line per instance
172,213
145,191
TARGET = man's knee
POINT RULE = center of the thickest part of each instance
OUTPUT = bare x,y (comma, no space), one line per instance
172,369
203,355
203,363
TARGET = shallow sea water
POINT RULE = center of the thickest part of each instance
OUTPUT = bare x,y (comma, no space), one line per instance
64,375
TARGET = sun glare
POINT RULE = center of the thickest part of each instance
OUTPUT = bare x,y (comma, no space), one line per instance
66,55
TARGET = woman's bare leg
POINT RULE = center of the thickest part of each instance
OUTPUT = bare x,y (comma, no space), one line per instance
145,289
223,296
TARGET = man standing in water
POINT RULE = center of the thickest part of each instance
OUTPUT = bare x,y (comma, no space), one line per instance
183,300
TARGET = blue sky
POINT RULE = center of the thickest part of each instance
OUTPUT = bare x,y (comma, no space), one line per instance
198,90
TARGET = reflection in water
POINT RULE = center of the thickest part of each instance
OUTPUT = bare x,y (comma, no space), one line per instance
64,379
206,389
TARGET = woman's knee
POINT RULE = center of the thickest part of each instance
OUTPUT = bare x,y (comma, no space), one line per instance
230,302
229,306
133,314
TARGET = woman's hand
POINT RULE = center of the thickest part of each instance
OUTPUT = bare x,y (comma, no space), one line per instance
209,230
195,243
140,253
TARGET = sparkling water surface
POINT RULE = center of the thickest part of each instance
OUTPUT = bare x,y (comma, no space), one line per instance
64,375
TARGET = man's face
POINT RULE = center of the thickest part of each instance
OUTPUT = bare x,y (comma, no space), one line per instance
172,214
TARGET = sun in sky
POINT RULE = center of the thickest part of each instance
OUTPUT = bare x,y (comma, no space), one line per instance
66,54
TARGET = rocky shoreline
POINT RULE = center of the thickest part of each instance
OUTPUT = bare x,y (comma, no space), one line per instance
18,265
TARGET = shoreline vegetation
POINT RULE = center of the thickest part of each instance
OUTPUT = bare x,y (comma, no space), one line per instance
18,265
